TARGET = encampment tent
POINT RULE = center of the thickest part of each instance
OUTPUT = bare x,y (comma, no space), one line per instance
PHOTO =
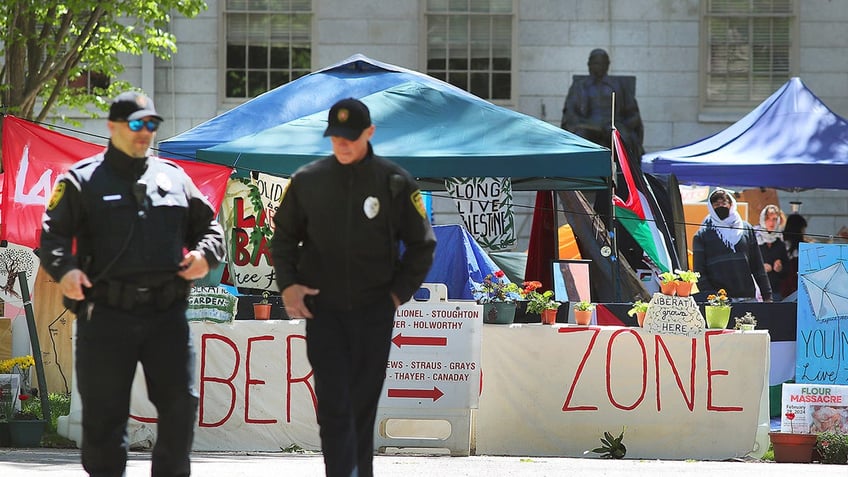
430,127
435,134
790,141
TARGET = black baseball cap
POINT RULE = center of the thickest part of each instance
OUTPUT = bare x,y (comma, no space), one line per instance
347,119
132,105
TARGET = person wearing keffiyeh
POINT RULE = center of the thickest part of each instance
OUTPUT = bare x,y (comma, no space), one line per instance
772,247
725,252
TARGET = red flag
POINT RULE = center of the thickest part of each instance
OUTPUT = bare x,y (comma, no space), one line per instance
33,159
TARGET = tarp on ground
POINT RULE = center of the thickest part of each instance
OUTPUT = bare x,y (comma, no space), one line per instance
435,134
792,140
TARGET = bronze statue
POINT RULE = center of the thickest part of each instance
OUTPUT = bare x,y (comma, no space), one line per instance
588,107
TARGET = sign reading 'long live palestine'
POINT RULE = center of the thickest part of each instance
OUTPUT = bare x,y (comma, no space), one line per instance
485,204
674,315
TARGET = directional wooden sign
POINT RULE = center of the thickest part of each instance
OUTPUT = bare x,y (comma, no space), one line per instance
435,356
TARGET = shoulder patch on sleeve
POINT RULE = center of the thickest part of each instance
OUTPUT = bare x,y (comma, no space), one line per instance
56,197
418,203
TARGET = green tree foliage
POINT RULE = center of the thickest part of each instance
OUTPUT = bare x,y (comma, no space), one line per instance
49,45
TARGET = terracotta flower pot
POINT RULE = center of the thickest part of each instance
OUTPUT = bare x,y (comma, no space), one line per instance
796,448
549,317
668,288
582,317
261,311
640,317
683,288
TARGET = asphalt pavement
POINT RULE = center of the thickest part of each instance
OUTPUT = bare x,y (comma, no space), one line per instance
65,463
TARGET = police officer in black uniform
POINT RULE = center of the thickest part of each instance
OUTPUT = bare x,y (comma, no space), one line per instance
124,234
338,263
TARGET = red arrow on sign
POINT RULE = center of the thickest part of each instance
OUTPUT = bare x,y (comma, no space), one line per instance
401,340
434,393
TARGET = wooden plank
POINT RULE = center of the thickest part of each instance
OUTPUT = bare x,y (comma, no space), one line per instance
55,333
5,338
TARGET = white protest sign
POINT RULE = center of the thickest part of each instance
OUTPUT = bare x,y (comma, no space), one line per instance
673,315
814,408
214,304
435,356
485,205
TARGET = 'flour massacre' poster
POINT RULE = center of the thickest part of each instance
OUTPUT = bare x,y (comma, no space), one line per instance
822,334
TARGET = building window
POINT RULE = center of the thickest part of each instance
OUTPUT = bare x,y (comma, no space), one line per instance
91,82
269,43
469,45
748,50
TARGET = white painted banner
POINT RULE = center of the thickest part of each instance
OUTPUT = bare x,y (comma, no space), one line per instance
485,205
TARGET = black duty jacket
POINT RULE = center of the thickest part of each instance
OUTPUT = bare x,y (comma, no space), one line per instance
338,229
99,203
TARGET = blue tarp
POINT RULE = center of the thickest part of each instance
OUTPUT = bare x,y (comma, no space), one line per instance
430,127
459,262
790,141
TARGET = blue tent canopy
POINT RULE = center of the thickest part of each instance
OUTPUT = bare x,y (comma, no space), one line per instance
430,127
790,141
356,76
435,134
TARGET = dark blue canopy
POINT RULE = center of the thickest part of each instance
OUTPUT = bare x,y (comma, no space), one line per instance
790,141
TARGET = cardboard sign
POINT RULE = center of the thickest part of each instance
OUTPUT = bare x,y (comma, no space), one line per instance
814,408
674,315
214,304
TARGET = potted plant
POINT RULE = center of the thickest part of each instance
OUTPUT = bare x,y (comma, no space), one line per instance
262,309
667,283
583,312
686,279
746,322
541,304
791,446
497,295
639,309
832,447
717,310
22,428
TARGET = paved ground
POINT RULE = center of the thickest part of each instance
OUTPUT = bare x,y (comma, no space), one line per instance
65,463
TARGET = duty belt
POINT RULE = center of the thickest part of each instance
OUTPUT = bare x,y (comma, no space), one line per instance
127,295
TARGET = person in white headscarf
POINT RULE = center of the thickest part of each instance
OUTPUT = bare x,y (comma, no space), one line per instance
772,247
725,252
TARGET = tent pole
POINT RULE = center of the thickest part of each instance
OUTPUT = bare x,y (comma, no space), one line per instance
616,271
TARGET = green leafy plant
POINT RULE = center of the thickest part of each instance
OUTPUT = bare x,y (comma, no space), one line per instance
613,447
747,319
264,300
638,307
584,306
496,287
667,277
688,276
538,302
832,447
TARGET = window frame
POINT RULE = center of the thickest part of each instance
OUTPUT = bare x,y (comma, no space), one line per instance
223,43
711,110
424,46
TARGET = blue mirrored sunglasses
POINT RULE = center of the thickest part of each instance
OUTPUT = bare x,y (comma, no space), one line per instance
136,125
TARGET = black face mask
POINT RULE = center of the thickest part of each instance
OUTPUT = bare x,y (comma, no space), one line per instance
722,212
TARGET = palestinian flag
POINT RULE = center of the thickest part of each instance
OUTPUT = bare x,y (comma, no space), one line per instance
637,216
